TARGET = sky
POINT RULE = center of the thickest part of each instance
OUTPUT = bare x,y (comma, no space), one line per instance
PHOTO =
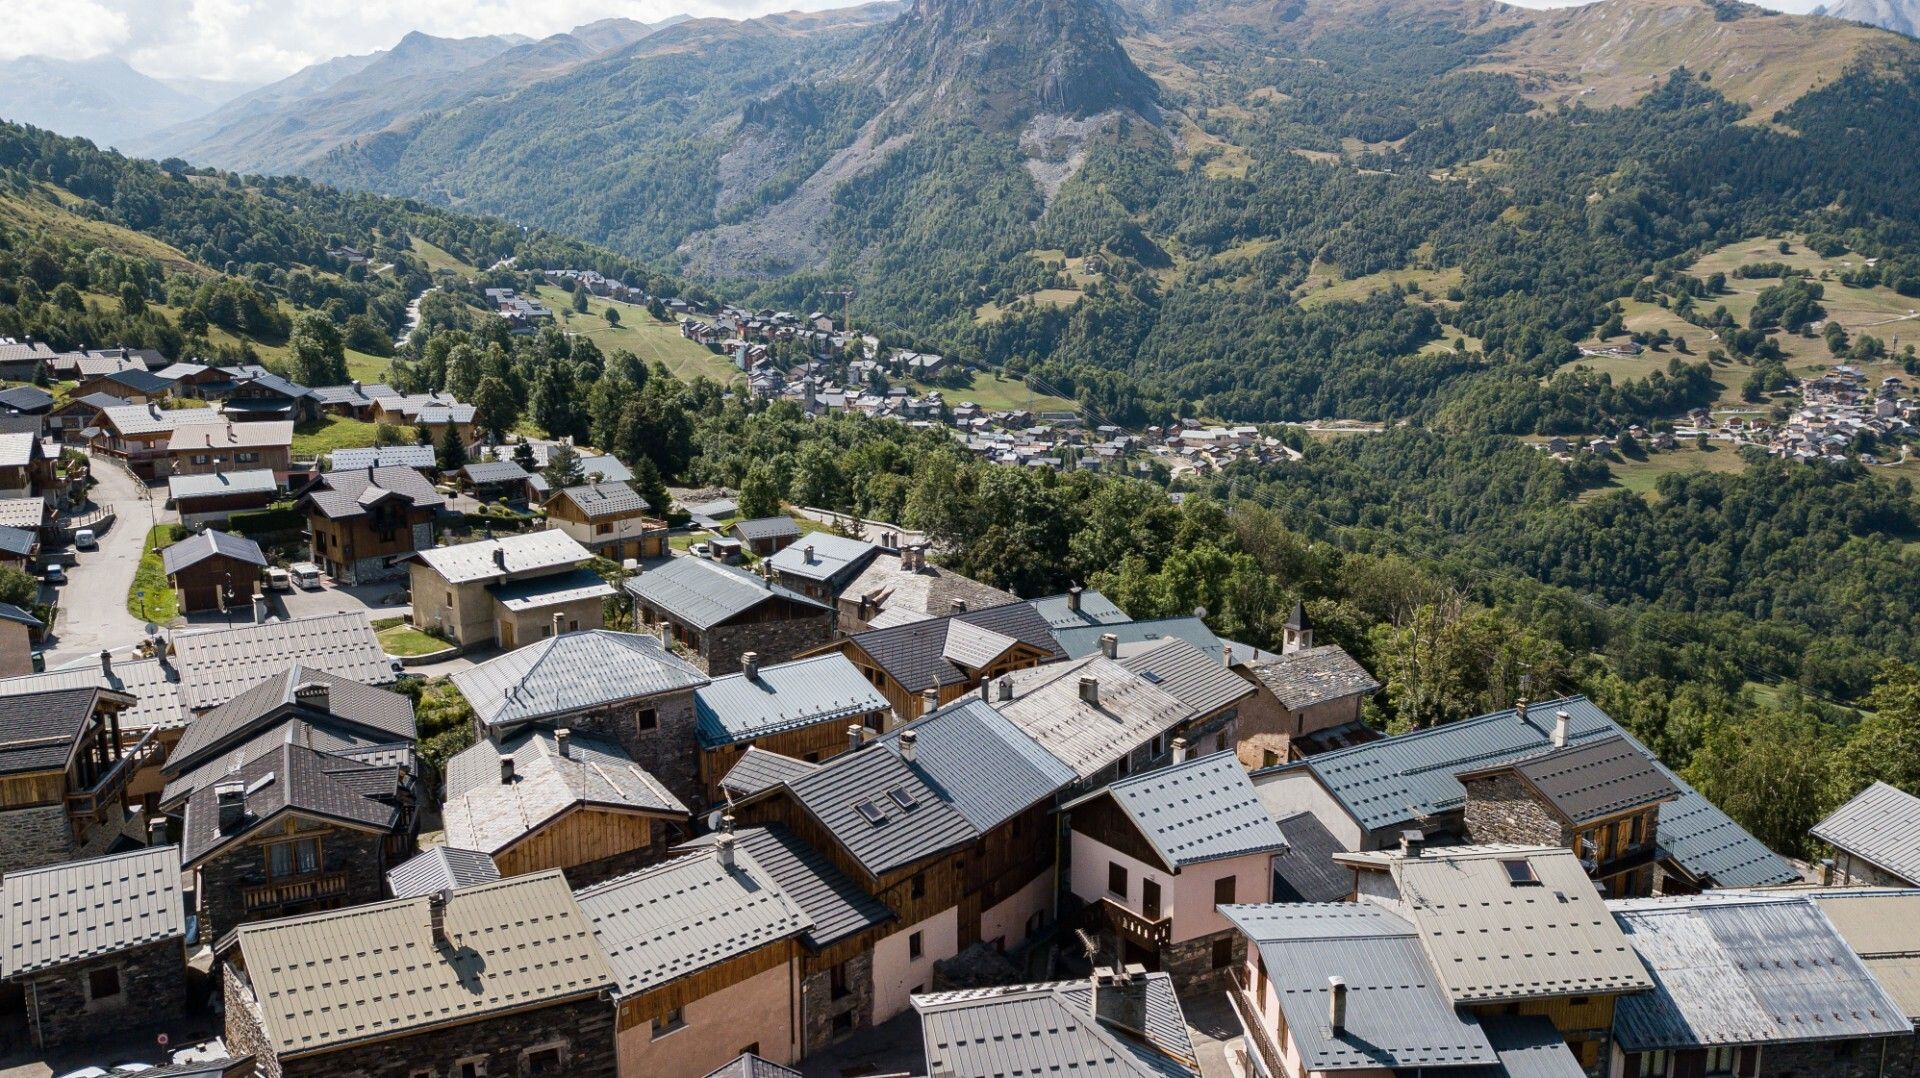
258,41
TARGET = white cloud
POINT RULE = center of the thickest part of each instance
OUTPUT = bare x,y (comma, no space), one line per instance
70,29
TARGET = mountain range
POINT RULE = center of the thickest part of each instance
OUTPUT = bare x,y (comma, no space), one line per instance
102,99
1900,16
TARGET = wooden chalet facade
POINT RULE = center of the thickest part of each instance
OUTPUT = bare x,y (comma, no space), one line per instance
64,771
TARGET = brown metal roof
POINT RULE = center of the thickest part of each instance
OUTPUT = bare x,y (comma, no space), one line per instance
1593,780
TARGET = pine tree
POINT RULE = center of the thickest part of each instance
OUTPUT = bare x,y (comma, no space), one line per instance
453,452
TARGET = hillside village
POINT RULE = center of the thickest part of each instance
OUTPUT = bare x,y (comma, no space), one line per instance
754,797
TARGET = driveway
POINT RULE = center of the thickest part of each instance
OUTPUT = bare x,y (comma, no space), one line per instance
93,604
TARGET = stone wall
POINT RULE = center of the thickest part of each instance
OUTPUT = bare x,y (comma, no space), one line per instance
222,880
32,837
1839,1059
1851,871
670,752
776,641
244,1029
1500,809
1190,962
153,991
819,1008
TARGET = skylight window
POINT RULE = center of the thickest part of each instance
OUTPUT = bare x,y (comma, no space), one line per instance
872,812
902,798
1520,873
1152,678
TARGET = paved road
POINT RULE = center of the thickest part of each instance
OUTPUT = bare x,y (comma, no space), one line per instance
93,604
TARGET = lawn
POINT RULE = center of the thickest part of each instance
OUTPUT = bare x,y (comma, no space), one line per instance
398,638
1642,475
436,258
1331,288
333,432
161,605
361,366
997,393
654,342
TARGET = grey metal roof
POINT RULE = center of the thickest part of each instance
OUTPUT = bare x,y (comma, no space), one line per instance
1595,780
494,471
1095,609
484,813
834,557
313,695
217,484
609,499
972,647
88,909
1745,969
749,1065
23,512
10,612
1398,781
573,672
1203,809
1528,1046
987,767
526,552
1085,640
785,696
834,793
836,907
703,593
609,468
1303,679
1880,825
537,592
766,528
16,450
293,778
195,549
1028,1030
1187,673
389,456
680,916
757,769
156,696
20,542
26,399
1305,871
441,868
218,664
1397,1013
915,654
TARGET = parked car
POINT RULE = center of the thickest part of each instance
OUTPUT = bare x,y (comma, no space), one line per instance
84,539
700,550
279,579
54,575
306,575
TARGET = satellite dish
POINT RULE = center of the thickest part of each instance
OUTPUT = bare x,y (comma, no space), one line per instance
1200,611
714,818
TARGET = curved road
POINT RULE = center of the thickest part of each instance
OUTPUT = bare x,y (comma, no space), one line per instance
93,604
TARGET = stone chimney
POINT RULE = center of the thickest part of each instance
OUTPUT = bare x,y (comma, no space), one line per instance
1520,710
1179,750
1110,645
1073,599
1090,689
1562,728
1120,998
1826,872
1337,1005
230,798
437,917
723,849
957,606
106,664
856,733
750,665
506,769
1413,843
157,831
563,743
909,745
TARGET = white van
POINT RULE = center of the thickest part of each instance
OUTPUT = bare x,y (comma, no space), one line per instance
307,575
279,579
84,539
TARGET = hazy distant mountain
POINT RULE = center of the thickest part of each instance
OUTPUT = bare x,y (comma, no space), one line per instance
1900,16
102,99
320,107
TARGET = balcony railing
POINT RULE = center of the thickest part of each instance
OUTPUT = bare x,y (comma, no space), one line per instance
1127,924
302,889
86,804
1266,1053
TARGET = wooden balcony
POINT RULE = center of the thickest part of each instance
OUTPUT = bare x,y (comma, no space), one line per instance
1262,1051
301,889
1129,925
86,804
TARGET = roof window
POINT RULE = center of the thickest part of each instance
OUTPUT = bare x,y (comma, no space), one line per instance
1520,873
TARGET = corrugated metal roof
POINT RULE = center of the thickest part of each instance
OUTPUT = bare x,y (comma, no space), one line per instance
785,696
155,694
1880,825
703,593
1047,1029
1492,938
1130,711
674,918
1201,810
1879,926
766,528
1187,673
1746,969
1398,1015
442,868
521,553
572,672
1399,781
218,664
484,813
1303,679
535,593
835,792
1085,640
366,972
836,907
23,512
833,555
1593,781
195,549
88,909
1095,609
1305,871
220,484
987,767
757,769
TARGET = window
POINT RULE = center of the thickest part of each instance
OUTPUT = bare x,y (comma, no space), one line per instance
103,983
1520,873
1159,745
449,598
1117,879
843,1023
1720,1059
547,1059
648,719
199,458
605,527
1223,952
471,1067
1223,891
914,948
297,858
1653,1064
1637,832
1220,741
671,1022
246,458
1269,758
839,982
917,887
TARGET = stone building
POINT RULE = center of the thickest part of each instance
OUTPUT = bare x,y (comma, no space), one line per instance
499,979
1875,838
822,566
365,521
64,770
96,944
622,688
1308,700
895,589
512,590
936,661
717,614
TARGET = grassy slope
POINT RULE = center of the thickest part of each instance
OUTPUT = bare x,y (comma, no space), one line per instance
637,333
161,605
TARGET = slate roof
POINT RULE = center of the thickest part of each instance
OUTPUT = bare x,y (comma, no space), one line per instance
1493,939
38,730
494,471
1095,609
757,769
1046,1028
1398,781
703,593
523,553
1592,781
749,1065
610,499
1085,640
211,543
931,590
984,765
785,696
366,972
335,739
138,379
440,868
762,528
1881,825
389,456
1305,871
218,664
483,813
835,557
537,592
293,778
217,484
1745,969
680,916
572,672
84,910
1204,809
16,450
1878,925
1187,673
834,792
344,494
156,697
915,654
1314,676
386,715
835,906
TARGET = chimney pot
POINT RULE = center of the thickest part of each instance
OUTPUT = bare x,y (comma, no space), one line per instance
563,742
723,848
506,769
1562,728
1090,689
1520,709
1109,645
959,606
500,558
1413,842
855,734
437,917
726,823
1226,655
809,553
1337,1004
909,745
929,701
1073,599
1179,750
750,664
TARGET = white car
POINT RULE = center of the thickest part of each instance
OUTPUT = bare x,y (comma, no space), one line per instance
700,550
279,579
84,539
